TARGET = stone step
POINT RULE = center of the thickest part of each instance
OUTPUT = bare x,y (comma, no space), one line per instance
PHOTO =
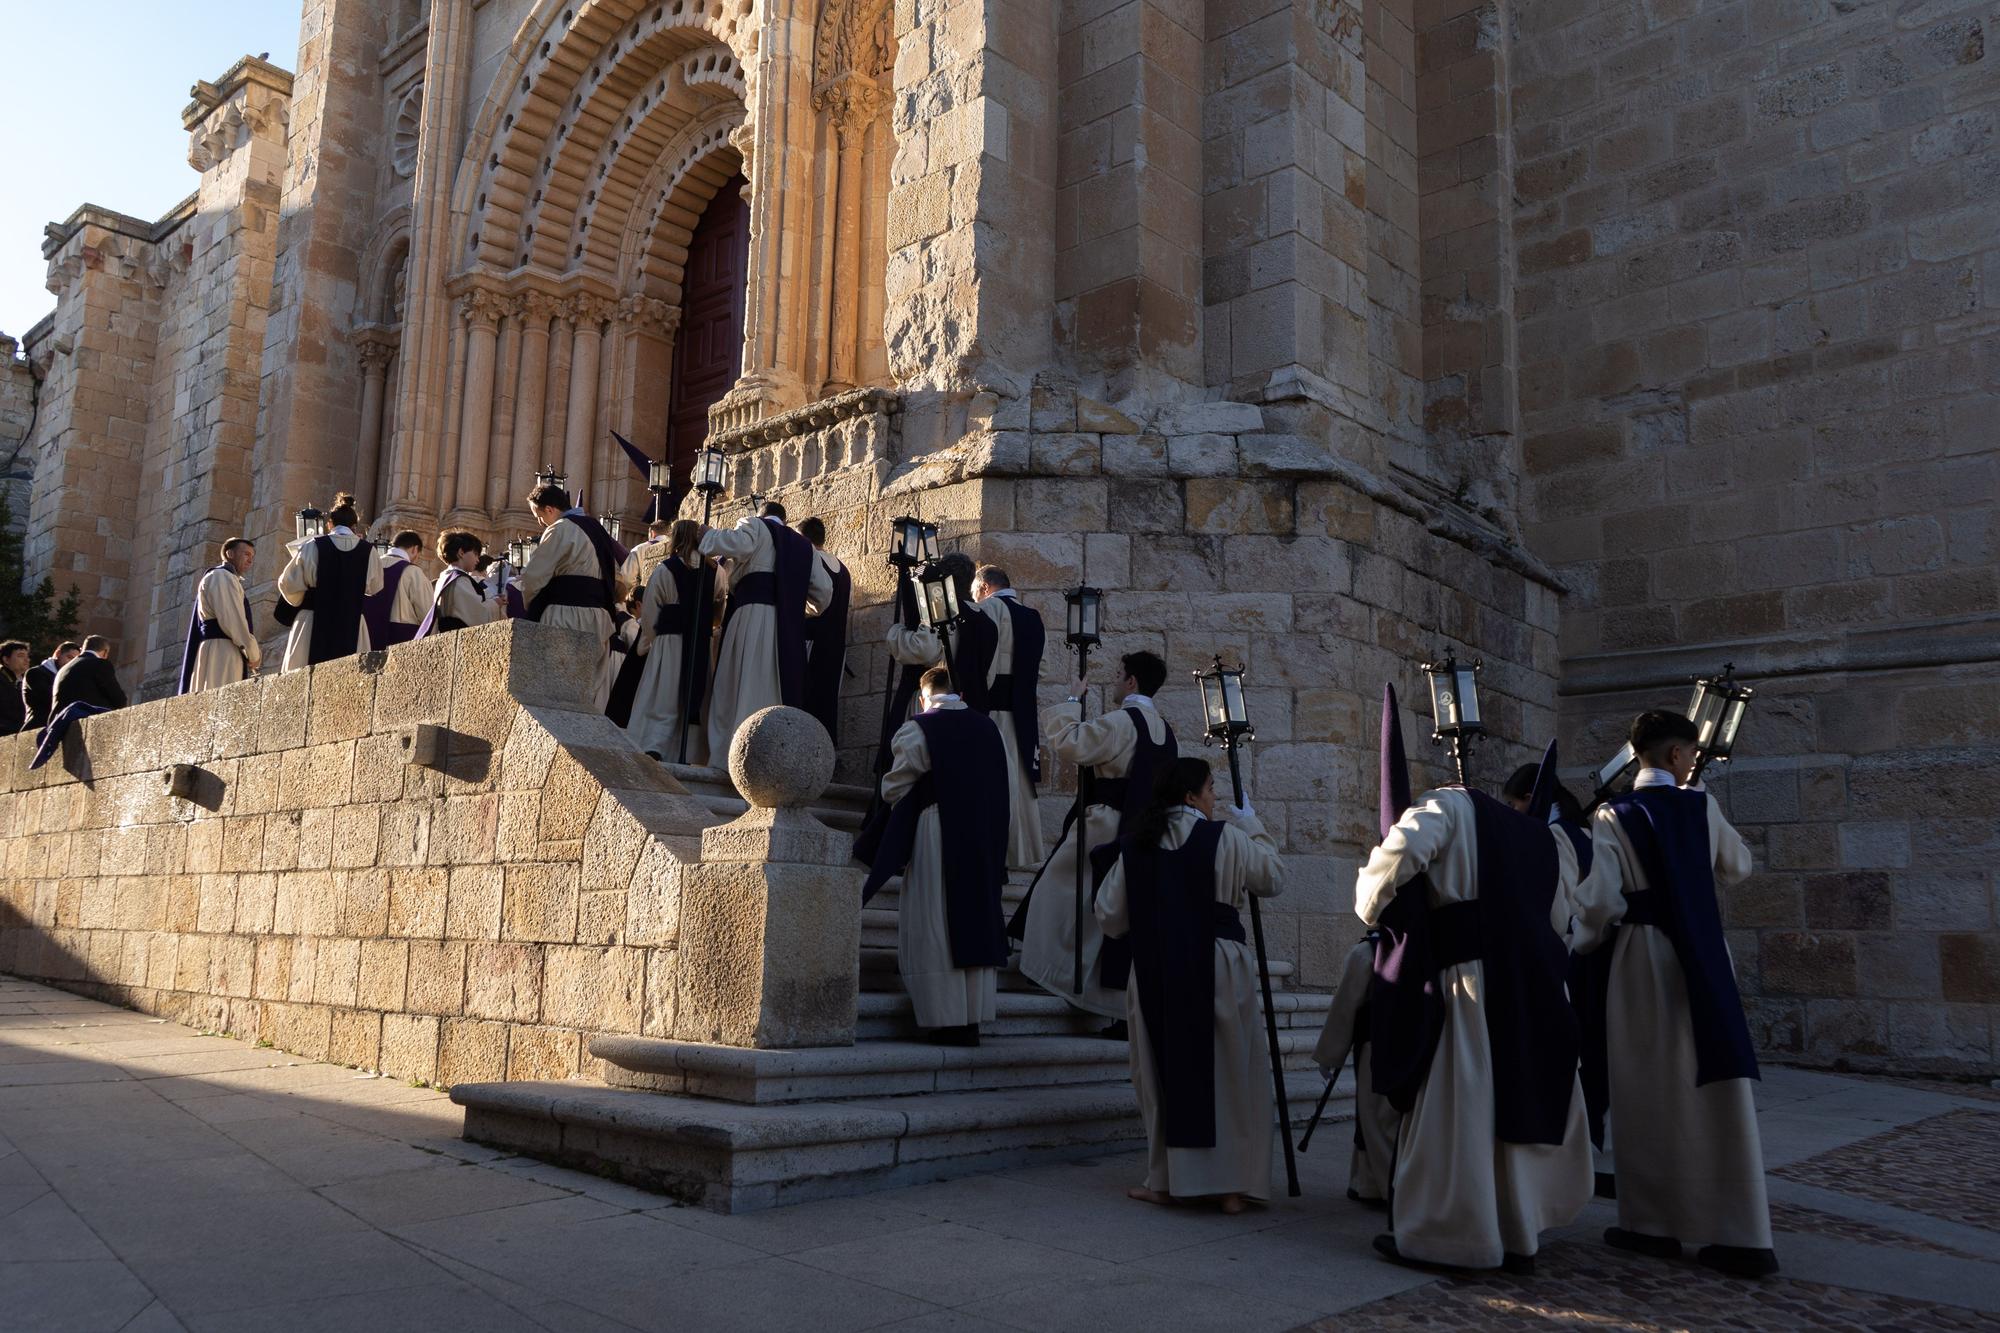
732,1157
872,1068
708,781
878,971
833,816
886,1014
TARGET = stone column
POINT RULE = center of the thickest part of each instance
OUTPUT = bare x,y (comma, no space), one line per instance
855,100
555,407
609,468
483,312
770,941
435,456
580,434
374,346
506,386
536,309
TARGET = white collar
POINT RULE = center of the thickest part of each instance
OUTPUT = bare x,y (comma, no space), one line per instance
943,700
342,531
1653,777
1003,592
1142,700
51,664
395,552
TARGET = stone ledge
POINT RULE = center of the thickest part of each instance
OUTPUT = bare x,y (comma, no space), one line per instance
735,1158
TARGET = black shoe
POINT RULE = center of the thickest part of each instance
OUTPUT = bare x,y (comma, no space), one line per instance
1379,1205
1653,1247
1116,1032
1520,1265
1738,1261
964,1035
1607,1185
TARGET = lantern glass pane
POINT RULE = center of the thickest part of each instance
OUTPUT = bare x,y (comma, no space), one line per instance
1075,601
1214,711
1232,698
1619,763
1706,714
1444,702
1732,720
929,534
658,476
936,612
614,527
1468,697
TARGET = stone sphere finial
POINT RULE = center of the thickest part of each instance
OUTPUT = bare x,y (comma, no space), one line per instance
780,758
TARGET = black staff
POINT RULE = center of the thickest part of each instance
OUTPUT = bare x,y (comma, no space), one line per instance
1229,726
1318,1111
1084,604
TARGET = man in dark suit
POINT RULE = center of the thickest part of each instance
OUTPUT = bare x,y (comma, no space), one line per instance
13,700
90,678
40,687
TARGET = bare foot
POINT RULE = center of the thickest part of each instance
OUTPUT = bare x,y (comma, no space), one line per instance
1144,1195
1231,1204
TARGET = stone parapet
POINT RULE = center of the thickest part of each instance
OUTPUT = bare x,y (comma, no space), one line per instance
478,915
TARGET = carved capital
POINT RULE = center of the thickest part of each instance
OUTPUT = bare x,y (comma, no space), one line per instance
485,309
588,308
539,306
744,140
374,345
853,102
650,315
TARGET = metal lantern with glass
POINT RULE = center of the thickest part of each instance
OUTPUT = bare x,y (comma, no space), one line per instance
941,607
613,526
309,523
549,476
1084,603
710,468
1717,711
912,543
1227,720
1455,707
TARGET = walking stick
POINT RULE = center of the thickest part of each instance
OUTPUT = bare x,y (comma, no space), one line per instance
1318,1111
1079,821
1270,1015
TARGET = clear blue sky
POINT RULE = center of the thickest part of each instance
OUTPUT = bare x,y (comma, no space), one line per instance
94,96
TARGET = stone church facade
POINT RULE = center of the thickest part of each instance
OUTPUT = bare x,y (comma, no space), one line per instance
1604,340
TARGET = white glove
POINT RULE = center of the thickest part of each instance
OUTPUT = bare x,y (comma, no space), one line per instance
1241,812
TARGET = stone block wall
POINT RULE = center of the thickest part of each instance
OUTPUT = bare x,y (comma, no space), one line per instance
17,416
1758,273
1210,535
474,919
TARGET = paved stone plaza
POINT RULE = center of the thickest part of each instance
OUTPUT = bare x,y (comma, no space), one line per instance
153,1178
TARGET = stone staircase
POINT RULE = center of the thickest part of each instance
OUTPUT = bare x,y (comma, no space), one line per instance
743,1128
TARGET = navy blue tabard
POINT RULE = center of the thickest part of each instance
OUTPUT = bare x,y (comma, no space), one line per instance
1668,829
827,633
335,599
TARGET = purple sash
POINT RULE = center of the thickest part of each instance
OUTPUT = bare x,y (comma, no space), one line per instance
201,631
382,631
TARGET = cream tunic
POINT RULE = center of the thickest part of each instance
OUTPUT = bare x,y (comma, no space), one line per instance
942,995
301,574
413,594
1048,955
746,666
218,662
1026,847
460,599
655,725
1690,1163
1463,1197
1246,863
565,550
1375,1155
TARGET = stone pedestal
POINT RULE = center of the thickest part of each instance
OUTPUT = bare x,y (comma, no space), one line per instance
771,916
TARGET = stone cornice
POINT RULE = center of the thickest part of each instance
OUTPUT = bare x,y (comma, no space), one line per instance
245,72
812,417
1943,643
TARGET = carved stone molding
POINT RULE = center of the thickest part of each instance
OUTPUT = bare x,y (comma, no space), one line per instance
540,306
486,308
650,315
589,308
375,344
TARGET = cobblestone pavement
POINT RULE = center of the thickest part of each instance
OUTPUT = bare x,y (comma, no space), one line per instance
153,1178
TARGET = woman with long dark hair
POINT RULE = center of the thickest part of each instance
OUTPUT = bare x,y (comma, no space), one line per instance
1177,892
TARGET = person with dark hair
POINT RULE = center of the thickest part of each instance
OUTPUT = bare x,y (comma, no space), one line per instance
826,635
90,678
775,582
673,646
1678,1050
1013,682
222,646
13,686
39,689
1520,787
1177,891
405,600
328,579
572,580
1123,750
460,598
948,779
1471,1033
771,509
628,660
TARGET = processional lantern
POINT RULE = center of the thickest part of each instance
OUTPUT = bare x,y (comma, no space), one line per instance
1084,604
940,602
613,526
913,544
659,478
382,547
1455,706
518,551
310,523
1621,766
1717,709
710,469
550,476
1225,716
